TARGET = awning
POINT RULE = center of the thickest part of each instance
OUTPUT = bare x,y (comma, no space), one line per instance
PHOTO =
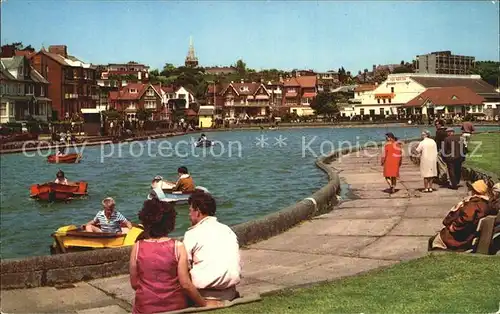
384,96
309,95
439,107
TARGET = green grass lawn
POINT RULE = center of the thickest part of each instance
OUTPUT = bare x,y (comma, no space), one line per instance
442,283
487,157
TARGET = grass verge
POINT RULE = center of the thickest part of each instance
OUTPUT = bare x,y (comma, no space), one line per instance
487,155
441,283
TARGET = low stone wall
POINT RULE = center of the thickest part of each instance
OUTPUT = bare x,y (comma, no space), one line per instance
73,267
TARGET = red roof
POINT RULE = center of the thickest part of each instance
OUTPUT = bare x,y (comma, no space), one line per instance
446,96
126,94
307,81
291,82
190,112
309,95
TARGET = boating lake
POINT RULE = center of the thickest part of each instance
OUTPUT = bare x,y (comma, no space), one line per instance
250,173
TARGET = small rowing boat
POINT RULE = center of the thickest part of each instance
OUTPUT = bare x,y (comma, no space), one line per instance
173,197
64,159
74,239
51,191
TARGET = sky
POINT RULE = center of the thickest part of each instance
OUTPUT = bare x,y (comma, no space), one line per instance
318,35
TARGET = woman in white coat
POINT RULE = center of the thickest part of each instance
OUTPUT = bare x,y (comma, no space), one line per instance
427,150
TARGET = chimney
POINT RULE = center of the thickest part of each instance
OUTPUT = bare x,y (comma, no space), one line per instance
59,49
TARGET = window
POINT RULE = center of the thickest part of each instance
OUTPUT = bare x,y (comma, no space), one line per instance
42,90
2,89
384,100
21,71
474,109
390,100
3,109
150,92
392,89
19,88
31,89
37,109
381,111
133,90
490,106
378,101
362,111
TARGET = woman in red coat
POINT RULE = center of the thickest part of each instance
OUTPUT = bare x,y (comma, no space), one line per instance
391,160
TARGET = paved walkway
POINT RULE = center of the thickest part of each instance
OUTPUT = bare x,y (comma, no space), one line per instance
374,229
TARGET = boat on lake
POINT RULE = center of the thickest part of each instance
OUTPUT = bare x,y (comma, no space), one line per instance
173,197
71,238
205,143
52,191
64,159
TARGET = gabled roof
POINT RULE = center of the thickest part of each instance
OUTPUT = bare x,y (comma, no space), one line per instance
125,94
475,84
263,87
446,96
308,81
69,61
291,82
37,77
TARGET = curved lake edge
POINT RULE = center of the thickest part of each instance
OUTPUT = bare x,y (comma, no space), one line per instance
51,270
73,267
287,126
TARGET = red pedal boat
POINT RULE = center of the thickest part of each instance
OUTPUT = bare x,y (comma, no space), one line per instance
64,159
58,192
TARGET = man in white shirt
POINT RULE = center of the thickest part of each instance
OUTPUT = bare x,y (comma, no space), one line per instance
213,250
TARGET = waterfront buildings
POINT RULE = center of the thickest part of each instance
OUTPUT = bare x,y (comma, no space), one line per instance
390,97
135,97
23,91
443,62
206,116
73,84
299,93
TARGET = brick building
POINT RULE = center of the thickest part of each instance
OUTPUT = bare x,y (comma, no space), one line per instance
72,82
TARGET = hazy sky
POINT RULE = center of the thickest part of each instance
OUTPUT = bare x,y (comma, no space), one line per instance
319,35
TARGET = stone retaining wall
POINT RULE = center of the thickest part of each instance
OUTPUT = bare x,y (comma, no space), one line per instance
73,267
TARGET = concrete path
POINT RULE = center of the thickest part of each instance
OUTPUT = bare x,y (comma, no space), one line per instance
373,229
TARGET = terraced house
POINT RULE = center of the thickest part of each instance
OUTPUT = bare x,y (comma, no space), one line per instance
23,91
134,97
73,84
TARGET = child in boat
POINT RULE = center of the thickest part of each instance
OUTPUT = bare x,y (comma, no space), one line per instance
202,138
185,183
108,219
60,178
62,151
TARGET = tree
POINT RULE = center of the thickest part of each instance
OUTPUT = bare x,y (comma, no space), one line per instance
143,114
489,71
403,69
241,67
325,104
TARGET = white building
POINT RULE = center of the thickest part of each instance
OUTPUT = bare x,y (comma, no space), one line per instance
399,89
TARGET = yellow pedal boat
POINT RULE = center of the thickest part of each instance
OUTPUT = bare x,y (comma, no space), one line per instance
74,239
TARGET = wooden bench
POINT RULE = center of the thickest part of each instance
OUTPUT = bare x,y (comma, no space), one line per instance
488,231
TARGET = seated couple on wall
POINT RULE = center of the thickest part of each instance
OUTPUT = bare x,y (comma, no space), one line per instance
169,275
460,225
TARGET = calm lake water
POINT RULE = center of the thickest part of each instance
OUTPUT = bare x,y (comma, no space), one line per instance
247,180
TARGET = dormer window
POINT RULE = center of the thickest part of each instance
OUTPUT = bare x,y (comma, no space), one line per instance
454,97
133,91
244,88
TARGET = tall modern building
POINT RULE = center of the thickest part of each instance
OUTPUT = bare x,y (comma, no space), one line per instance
443,62
191,59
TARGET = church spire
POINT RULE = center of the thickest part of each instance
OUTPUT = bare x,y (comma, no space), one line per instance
191,59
